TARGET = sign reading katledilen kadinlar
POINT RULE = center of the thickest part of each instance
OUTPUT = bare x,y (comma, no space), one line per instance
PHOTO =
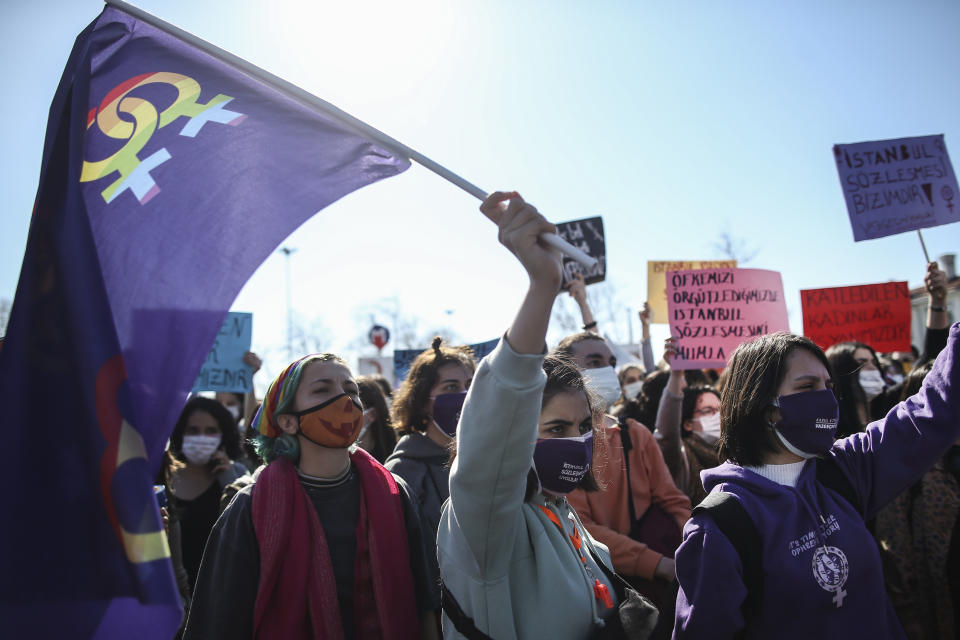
892,186
711,311
876,314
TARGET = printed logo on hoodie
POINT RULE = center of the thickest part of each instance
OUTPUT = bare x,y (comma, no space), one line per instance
809,540
831,570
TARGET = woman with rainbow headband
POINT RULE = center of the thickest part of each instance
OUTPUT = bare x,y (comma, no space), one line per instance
326,543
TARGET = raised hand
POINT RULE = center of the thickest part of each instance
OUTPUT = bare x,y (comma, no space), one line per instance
252,359
577,288
677,382
936,283
645,315
520,227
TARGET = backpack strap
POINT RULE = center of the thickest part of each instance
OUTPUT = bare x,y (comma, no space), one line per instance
831,476
627,448
738,527
461,621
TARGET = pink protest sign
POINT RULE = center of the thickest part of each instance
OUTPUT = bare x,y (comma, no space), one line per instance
711,311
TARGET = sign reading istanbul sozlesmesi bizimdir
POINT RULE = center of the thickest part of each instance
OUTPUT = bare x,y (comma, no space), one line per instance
892,186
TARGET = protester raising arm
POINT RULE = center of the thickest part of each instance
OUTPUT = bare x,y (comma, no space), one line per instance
487,509
668,421
646,348
515,561
937,321
578,291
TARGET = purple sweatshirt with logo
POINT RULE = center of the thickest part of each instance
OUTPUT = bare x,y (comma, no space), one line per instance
822,572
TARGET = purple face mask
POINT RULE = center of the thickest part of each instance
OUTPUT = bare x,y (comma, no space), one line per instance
808,422
561,463
446,411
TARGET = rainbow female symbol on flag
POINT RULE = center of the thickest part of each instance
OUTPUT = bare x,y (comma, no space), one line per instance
168,176
134,172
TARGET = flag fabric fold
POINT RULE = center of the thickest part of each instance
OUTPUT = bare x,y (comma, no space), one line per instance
168,176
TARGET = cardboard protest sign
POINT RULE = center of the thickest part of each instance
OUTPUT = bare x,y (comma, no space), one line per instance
586,235
712,311
403,358
657,281
892,186
875,314
224,369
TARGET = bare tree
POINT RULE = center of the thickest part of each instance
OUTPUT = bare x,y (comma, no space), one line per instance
406,329
450,337
608,309
734,248
309,335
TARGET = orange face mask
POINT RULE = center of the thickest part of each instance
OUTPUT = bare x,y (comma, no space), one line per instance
333,424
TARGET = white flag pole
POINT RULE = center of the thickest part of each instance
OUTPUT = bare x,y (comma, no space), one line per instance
344,118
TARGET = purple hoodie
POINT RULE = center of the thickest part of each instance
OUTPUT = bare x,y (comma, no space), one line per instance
822,572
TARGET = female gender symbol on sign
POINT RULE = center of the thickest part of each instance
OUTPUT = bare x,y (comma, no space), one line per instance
947,193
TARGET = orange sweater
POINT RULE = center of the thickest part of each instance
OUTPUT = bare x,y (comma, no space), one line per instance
605,512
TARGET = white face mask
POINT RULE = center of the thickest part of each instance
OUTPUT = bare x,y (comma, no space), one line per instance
604,382
632,390
871,382
710,428
199,449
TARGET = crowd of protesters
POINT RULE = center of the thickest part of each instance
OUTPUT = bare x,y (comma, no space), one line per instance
548,494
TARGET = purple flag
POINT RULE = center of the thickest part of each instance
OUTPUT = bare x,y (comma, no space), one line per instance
168,176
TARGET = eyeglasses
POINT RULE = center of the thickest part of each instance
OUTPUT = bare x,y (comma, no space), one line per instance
706,411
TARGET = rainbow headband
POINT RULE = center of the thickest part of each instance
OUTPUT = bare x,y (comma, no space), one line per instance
280,392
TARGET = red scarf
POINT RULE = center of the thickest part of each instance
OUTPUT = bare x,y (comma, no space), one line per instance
296,597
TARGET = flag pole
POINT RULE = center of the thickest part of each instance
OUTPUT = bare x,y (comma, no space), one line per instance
341,116
924,245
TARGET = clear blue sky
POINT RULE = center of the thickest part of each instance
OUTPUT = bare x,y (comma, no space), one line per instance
674,121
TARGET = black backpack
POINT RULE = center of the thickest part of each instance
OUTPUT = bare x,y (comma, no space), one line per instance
737,525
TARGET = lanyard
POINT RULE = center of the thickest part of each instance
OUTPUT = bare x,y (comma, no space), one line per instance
600,590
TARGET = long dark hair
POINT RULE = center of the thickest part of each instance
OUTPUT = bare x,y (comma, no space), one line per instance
229,435
850,394
384,437
914,379
755,372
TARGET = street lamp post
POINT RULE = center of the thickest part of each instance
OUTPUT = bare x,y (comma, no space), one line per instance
288,251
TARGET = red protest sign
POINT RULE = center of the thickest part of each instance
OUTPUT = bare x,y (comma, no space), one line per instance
711,311
875,314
